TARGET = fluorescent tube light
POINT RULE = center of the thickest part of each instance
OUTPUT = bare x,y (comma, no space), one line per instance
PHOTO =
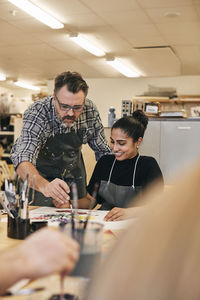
37,13
26,86
119,66
85,44
2,77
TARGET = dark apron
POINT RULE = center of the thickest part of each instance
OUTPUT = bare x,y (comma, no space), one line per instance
61,157
117,195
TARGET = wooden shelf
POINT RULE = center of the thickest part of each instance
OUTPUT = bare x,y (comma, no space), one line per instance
6,155
6,132
167,100
186,103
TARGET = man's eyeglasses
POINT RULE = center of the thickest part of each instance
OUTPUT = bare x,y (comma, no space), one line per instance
66,107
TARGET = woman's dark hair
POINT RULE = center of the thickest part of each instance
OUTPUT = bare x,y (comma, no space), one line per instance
134,126
72,80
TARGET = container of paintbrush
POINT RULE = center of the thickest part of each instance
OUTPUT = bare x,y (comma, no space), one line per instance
90,241
18,228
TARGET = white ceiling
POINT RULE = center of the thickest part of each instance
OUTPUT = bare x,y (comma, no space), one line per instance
165,46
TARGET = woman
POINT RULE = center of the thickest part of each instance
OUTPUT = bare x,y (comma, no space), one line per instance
122,175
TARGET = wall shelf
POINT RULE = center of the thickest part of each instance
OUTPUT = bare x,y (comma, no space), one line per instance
185,103
6,132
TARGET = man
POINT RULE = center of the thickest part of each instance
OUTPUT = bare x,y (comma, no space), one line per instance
54,129
43,253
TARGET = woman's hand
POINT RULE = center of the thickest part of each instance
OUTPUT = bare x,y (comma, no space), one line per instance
117,214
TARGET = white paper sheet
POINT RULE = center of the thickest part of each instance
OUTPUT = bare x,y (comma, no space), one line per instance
96,215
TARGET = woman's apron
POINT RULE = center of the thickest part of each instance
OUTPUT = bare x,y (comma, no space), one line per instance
117,195
61,157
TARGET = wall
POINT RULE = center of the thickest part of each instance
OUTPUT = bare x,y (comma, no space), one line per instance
110,92
18,99
18,93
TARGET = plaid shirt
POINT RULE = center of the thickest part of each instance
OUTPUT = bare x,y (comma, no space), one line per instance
40,122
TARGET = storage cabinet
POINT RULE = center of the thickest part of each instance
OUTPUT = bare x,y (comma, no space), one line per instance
174,144
180,145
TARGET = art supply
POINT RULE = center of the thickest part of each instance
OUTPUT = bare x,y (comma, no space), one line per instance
18,216
62,275
24,200
90,242
74,215
62,278
33,190
75,196
11,199
93,201
69,182
55,215
24,292
4,202
69,211
18,228
66,297
70,204
36,225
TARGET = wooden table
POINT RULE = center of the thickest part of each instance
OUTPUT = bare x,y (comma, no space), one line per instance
73,285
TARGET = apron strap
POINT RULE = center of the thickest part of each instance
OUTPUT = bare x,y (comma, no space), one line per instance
111,171
133,186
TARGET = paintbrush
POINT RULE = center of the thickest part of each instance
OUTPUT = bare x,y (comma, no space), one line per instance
62,274
75,210
92,202
62,177
70,204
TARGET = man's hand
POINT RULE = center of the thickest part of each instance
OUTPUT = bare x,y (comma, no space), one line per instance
58,190
58,205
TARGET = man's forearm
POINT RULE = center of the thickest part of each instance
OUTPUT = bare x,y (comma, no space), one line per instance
36,181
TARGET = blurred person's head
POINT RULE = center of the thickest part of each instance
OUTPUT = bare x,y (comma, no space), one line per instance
157,257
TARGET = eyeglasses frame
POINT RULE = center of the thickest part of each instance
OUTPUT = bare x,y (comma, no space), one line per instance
66,107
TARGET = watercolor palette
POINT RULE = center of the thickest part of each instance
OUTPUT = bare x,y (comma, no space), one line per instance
53,215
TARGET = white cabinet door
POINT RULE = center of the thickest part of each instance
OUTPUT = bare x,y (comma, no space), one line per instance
151,143
180,145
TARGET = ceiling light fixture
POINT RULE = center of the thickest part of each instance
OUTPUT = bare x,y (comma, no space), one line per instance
119,66
2,77
85,44
26,86
172,14
37,13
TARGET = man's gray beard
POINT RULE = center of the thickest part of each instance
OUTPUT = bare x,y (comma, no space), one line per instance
68,125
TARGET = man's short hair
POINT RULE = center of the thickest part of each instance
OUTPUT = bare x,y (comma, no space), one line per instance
73,81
